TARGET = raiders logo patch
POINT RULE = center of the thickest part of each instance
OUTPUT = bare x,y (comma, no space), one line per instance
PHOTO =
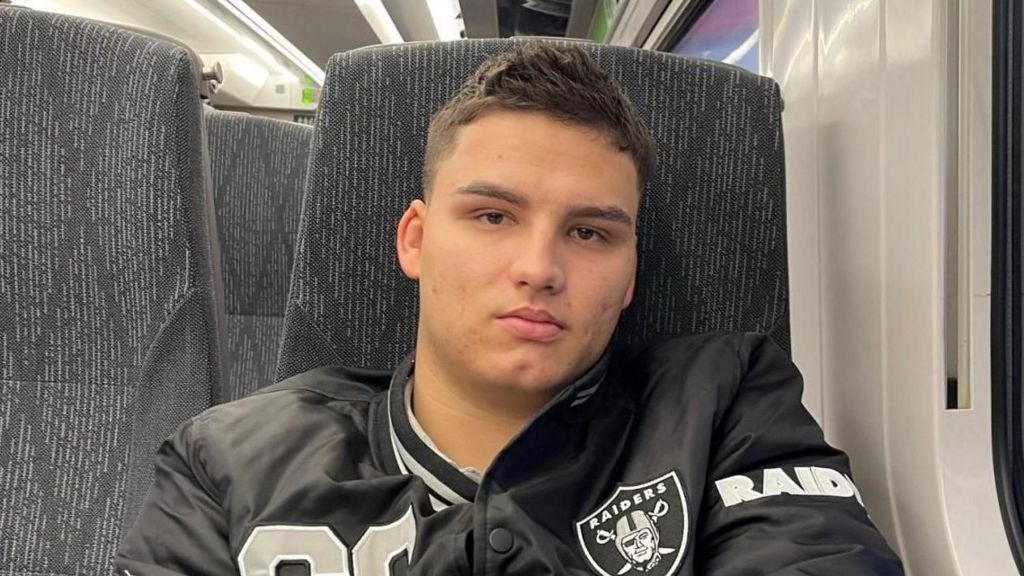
640,528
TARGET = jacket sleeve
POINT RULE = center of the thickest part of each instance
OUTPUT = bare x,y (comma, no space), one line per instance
781,501
181,527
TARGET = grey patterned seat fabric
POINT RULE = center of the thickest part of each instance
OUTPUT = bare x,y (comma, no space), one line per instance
259,171
712,250
108,305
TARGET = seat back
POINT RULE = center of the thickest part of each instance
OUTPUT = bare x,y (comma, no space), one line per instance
712,236
108,300
259,170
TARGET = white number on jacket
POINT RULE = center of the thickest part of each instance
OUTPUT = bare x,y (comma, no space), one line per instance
269,546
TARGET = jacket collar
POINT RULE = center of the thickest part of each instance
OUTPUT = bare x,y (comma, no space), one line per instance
447,483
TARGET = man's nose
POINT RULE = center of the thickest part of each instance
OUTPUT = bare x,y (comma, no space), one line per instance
537,263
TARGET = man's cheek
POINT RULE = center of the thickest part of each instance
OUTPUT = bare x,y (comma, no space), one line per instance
610,308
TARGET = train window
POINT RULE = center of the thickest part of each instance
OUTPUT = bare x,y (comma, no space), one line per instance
1008,268
727,31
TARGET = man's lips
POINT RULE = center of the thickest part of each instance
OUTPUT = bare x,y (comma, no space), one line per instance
532,324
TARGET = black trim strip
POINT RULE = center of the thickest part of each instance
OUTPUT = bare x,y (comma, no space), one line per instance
691,13
448,475
1007,266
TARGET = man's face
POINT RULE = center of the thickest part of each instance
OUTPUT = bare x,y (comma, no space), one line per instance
526,253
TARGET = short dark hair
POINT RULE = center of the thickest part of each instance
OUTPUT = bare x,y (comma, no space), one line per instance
561,81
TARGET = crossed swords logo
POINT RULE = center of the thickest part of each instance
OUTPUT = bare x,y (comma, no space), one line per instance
619,535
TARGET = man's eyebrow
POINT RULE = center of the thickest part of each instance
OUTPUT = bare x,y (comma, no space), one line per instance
495,191
610,213
491,190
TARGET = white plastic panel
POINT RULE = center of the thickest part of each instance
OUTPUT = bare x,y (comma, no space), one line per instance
870,89
795,29
913,184
965,436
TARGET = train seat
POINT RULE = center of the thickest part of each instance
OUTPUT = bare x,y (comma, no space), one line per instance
259,170
109,336
712,230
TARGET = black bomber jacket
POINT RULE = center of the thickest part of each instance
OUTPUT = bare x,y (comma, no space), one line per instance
690,455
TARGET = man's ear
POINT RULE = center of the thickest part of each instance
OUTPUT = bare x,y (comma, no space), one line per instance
409,239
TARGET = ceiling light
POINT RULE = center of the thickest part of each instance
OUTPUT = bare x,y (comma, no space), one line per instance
380,21
257,24
245,40
40,5
443,12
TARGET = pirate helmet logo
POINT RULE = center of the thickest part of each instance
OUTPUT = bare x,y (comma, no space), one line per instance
639,543
640,528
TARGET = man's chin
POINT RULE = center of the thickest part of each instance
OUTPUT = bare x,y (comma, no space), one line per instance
529,377
531,384
533,369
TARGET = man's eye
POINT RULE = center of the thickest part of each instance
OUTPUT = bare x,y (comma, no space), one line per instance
587,234
494,218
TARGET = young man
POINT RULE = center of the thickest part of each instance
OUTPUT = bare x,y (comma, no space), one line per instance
513,440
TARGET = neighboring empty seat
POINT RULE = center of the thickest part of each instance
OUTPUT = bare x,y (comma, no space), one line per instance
712,249
108,305
259,171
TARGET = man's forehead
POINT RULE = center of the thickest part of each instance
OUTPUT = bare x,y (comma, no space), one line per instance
514,156
529,124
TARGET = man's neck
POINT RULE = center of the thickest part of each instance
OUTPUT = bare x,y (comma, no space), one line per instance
468,424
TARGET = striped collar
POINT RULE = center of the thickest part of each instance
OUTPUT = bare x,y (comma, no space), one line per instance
448,484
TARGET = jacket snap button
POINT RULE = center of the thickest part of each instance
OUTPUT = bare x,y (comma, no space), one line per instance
500,540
